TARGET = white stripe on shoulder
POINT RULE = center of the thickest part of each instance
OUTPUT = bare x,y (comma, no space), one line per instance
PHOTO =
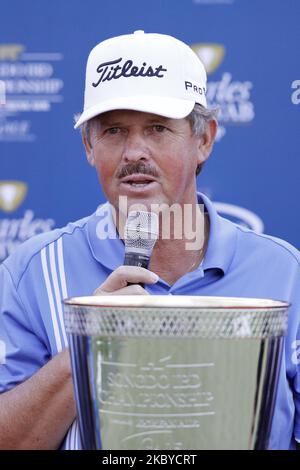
51,300
73,434
58,298
58,279
61,266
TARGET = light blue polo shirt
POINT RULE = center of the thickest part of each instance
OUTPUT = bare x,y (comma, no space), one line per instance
73,261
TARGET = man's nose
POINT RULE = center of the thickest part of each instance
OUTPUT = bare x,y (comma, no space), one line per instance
135,147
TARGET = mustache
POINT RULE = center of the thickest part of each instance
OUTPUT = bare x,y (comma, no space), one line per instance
135,168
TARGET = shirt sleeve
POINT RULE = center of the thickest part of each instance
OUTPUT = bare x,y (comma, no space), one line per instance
22,352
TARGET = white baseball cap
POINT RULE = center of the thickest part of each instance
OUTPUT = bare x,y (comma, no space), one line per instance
152,73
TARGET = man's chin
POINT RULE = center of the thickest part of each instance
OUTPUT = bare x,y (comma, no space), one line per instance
125,204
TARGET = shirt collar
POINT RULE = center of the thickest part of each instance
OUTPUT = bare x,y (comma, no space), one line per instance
108,249
222,239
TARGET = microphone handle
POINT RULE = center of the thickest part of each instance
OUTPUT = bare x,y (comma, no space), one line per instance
136,259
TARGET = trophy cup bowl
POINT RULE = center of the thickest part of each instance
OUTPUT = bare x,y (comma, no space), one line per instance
175,372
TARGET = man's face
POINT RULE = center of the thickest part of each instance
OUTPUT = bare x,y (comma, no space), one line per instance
148,158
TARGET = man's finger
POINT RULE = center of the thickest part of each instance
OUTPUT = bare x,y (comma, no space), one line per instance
125,275
133,289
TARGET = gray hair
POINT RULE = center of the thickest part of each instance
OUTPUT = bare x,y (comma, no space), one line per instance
199,119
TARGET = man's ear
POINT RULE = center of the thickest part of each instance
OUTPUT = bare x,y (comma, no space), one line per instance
88,150
207,140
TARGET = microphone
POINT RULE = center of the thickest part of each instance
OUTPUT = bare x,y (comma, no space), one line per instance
140,235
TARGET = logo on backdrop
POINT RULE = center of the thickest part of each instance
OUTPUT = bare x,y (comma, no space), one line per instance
210,54
14,231
12,194
31,86
232,96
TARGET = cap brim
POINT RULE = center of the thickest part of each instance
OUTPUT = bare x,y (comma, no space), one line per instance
162,106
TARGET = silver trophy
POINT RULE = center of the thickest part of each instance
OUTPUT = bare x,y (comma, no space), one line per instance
175,372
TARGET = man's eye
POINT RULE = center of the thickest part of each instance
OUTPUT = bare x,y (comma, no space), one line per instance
113,130
159,128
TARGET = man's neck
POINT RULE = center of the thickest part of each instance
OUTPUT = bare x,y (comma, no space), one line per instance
171,259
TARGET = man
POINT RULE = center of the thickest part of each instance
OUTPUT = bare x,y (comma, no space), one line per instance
147,131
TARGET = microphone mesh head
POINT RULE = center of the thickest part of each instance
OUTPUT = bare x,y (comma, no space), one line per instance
141,231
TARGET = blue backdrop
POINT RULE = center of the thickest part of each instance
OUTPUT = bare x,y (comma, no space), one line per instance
251,51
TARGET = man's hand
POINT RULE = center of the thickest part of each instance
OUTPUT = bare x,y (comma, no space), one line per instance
125,280
36,414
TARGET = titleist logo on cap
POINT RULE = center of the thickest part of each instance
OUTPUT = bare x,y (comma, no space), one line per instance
113,70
